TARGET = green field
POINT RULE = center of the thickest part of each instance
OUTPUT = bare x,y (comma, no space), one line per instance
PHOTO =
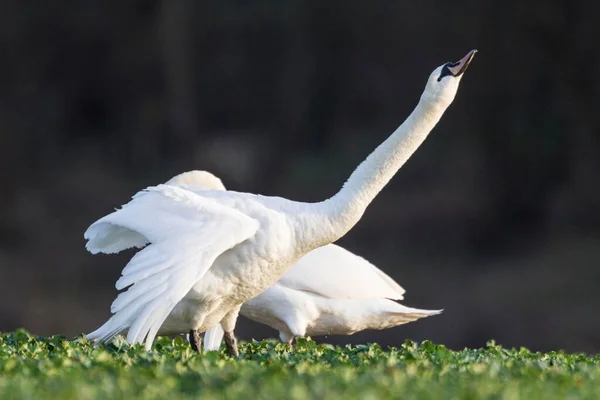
58,368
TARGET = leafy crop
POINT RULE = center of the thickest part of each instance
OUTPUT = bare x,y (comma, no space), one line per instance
59,368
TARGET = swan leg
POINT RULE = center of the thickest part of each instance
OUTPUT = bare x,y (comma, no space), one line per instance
296,328
195,340
231,344
286,337
228,325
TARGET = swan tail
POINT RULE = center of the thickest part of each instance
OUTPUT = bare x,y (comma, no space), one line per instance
213,337
403,315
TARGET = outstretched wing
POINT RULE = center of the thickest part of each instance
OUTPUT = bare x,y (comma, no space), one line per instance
334,272
186,232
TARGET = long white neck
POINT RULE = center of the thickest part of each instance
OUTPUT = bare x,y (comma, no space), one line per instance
343,210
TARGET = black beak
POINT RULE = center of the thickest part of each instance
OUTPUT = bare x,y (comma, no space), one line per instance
461,66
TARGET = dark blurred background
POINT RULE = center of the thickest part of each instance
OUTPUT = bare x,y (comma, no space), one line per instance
495,218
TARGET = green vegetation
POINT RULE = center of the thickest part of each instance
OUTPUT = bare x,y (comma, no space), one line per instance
58,368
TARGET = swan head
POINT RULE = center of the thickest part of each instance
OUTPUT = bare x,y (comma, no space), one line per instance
197,178
442,84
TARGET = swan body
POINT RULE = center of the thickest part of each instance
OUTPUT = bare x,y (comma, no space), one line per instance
305,303
329,291
206,252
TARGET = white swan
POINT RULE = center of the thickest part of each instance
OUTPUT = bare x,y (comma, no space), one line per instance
329,291
207,252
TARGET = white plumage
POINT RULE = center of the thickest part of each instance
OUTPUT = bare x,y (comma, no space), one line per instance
329,291
334,272
305,302
208,252
180,226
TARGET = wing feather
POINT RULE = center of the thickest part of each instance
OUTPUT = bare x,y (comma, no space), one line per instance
334,272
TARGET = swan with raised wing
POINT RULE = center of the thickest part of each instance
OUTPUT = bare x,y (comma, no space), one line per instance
206,252
329,291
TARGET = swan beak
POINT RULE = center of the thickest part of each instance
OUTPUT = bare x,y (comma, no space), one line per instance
462,64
